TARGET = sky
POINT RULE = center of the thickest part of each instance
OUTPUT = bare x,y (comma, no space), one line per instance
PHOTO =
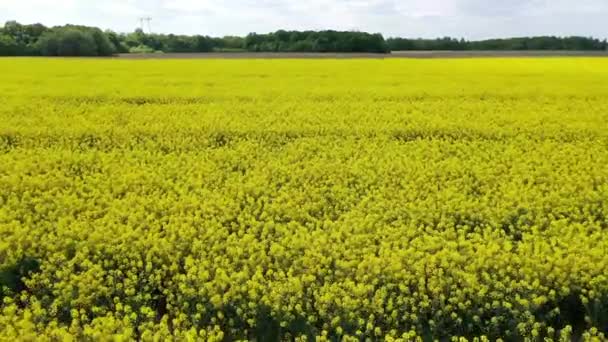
471,19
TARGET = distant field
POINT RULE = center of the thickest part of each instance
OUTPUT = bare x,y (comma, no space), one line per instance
318,200
394,54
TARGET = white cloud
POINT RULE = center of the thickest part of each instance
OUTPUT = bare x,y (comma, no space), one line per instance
214,6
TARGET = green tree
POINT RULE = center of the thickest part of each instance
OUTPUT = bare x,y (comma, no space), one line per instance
312,41
72,40
68,41
118,41
105,47
8,46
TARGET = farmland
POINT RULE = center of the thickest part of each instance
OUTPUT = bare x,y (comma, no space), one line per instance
304,199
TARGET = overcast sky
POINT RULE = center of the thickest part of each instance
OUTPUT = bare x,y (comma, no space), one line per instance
473,19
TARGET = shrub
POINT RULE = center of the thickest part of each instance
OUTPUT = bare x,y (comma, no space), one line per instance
141,49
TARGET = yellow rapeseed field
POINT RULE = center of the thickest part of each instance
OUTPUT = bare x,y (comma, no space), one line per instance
304,200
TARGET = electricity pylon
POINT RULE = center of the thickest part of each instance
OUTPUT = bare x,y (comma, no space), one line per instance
147,20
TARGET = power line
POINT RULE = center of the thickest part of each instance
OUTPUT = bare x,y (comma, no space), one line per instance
147,20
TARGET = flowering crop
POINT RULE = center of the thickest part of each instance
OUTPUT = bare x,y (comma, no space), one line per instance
214,200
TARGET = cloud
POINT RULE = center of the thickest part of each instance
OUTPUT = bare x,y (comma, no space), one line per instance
503,8
412,18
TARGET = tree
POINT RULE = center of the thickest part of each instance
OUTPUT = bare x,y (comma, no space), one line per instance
312,41
15,30
228,42
33,32
8,46
68,41
523,43
117,41
73,40
24,34
104,46
203,44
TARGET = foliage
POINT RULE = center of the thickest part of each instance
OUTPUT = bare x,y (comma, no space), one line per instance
75,41
118,42
18,39
229,43
67,42
23,34
289,199
168,43
524,43
281,41
36,39
313,41
8,46
141,49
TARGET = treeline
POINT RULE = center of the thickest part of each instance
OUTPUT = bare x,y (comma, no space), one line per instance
524,43
280,41
140,42
68,40
313,41
72,40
